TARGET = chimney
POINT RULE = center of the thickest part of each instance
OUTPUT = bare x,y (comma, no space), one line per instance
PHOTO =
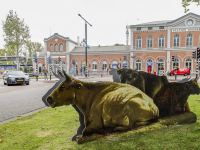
78,40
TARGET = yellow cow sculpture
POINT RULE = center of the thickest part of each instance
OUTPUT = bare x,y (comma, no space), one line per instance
105,105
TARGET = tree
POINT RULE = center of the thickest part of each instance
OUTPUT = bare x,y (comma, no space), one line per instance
16,32
33,47
118,44
186,3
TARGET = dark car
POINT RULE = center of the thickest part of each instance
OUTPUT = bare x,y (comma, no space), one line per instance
15,77
33,74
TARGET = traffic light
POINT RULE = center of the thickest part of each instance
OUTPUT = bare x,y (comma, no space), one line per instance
48,60
50,66
35,58
194,54
173,58
125,57
198,52
59,59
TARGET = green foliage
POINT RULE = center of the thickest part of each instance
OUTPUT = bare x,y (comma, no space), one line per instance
25,70
16,32
31,69
186,4
118,44
34,47
21,68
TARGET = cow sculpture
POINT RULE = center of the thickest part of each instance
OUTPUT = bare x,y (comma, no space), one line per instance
172,98
147,83
105,105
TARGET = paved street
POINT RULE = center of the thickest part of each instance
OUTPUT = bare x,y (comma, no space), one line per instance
20,100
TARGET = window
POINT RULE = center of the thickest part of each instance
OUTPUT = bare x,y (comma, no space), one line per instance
176,40
104,65
94,66
188,63
150,28
161,65
56,47
199,39
177,64
61,47
161,27
124,63
114,64
150,42
189,40
51,47
139,28
161,41
138,65
138,42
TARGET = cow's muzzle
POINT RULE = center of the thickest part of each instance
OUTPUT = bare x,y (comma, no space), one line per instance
49,100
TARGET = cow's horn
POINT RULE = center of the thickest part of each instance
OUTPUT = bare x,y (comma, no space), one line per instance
109,67
61,74
57,76
67,76
117,66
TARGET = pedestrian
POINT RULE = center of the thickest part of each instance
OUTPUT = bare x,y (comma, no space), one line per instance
45,71
76,71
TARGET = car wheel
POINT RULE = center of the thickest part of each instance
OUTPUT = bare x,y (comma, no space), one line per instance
8,84
186,74
27,83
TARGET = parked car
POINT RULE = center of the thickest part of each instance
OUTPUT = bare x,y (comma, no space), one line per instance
32,74
15,77
180,71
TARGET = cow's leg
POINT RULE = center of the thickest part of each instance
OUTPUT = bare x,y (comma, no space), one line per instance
94,126
82,125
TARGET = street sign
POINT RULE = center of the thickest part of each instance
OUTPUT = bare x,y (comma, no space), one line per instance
149,63
84,40
88,46
132,56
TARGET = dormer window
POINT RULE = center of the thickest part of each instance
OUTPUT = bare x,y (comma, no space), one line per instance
150,28
161,27
139,28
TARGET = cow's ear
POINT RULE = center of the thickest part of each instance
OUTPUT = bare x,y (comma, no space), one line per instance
119,71
78,85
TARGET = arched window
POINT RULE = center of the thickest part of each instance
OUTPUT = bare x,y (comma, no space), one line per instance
61,47
51,47
56,47
161,64
114,64
189,40
150,42
176,64
94,66
138,65
176,40
149,63
161,41
188,63
104,65
138,42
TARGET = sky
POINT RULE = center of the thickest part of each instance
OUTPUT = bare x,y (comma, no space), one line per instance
108,18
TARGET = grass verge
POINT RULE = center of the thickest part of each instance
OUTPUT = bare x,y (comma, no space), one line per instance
52,128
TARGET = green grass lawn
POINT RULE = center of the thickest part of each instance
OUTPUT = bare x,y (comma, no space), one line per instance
52,128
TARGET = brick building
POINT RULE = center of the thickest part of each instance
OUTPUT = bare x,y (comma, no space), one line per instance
152,46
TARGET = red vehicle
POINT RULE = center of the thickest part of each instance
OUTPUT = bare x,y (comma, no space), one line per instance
183,71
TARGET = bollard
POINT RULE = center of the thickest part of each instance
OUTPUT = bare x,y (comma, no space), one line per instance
50,77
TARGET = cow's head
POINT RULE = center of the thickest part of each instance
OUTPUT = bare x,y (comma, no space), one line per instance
64,94
128,75
193,86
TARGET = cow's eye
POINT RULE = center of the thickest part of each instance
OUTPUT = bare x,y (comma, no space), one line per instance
62,87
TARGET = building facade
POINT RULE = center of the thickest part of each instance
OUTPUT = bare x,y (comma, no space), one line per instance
151,48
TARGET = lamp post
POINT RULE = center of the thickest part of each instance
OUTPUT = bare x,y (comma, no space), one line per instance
86,69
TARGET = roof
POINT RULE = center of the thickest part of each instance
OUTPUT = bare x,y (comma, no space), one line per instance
165,22
102,49
56,35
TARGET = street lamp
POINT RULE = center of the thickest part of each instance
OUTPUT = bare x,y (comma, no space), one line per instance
86,69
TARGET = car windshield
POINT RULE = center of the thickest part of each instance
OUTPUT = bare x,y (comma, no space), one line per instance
15,73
